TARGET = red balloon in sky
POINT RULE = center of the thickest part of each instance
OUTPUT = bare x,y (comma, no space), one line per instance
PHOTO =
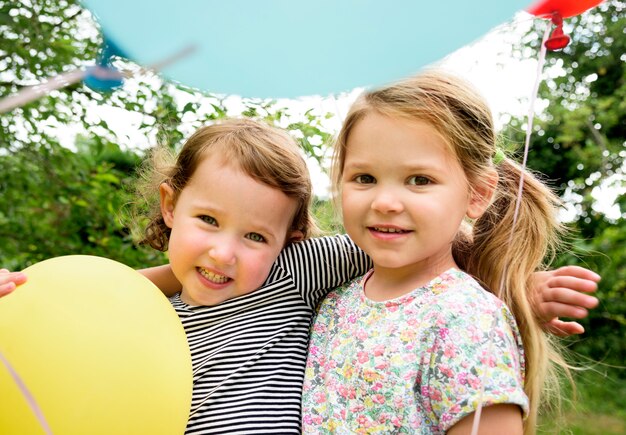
565,8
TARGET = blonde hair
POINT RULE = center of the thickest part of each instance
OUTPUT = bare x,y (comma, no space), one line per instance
464,120
267,154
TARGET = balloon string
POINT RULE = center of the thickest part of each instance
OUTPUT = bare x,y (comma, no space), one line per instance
32,403
34,92
529,127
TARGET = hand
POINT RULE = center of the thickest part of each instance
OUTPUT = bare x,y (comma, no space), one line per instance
561,293
10,280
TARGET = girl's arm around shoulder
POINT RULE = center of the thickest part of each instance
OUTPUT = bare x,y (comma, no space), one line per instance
494,420
321,264
9,281
324,262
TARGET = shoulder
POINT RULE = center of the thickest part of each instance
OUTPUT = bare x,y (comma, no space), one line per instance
457,290
471,314
332,243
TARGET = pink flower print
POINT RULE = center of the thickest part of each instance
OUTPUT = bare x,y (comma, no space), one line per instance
378,398
361,334
435,394
446,370
449,351
363,420
398,402
488,360
443,333
392,307
307,419
362,357
377,386
357,408
319,397
409,358
384,418
352,318
382,365
317,327
314,350
462,378
379,350
409,375
396,422
474,381
344,391
445,418
317,420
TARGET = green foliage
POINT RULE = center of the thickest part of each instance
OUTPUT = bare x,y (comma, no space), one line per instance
580,144
589,412
60,202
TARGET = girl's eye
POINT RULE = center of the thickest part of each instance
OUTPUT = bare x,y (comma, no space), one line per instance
256,237
208,219
364,179
418,180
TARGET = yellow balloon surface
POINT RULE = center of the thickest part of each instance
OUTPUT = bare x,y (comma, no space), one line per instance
100,349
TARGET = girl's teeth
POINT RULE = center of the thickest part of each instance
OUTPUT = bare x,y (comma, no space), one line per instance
214,277
389,230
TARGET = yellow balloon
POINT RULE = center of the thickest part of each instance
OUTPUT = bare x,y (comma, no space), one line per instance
100,349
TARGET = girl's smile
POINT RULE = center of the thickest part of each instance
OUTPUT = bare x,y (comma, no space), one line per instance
227,230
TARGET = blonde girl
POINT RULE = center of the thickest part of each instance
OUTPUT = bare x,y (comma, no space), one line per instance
443,320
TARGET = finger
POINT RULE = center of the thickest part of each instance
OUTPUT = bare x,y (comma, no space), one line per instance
16,278
572,282
7,288
577,272
549,310
569,296
563,329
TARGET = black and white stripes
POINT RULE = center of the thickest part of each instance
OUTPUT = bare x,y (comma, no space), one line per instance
249,353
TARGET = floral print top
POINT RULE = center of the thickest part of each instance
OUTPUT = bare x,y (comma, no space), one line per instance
414,364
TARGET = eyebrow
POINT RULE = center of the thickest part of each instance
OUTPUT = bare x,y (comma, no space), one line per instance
404,166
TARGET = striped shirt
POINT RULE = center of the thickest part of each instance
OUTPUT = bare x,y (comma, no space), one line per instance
249,353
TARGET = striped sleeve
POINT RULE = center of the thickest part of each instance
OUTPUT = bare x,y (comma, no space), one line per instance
321,264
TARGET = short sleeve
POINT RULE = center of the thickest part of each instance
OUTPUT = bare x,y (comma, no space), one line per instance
321,264
474,341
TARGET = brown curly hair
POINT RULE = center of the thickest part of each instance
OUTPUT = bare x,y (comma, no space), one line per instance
265,153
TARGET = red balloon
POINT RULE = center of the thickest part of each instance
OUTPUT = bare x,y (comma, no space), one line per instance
566,8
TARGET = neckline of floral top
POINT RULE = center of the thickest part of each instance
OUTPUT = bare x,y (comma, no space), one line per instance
407,298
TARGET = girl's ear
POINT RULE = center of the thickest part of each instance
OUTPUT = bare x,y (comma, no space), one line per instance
482,194
295,236
167,203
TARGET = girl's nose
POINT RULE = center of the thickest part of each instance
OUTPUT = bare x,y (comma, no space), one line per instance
386,201
223,253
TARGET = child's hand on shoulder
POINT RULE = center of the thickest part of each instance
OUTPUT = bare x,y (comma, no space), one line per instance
562,293
9,281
